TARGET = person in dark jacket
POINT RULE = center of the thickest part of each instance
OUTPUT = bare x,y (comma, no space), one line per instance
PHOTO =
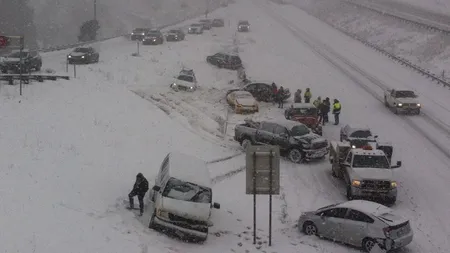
323,112
328,105
140,188
298,96
280,97
336,111
274,92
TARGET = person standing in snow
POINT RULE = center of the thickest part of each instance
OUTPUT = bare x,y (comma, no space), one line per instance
317,102
280,97
307,95
327,106
298,96
140,188
336,111
274,92
323,110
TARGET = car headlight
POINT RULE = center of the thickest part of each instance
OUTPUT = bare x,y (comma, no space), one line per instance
82,57
174,84
419,105
353,146
400,105
162,213
356,183
191,88
70,56
142,33
393,184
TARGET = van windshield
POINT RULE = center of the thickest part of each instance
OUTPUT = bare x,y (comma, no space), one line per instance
177,189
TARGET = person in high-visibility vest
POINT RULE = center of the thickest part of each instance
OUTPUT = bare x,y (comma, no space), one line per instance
307,95
317,102
336,111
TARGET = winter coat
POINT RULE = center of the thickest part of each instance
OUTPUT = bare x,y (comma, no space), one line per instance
280,93
336,108
141,186
307,94
317,103
327,105
297,97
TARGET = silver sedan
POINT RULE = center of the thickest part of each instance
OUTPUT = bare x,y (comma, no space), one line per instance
360,223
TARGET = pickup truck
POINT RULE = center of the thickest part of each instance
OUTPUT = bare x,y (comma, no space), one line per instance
296,141
402,101
367,172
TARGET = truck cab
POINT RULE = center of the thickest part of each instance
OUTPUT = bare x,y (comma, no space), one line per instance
402,101
367,172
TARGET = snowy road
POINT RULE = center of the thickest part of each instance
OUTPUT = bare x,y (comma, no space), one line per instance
78,144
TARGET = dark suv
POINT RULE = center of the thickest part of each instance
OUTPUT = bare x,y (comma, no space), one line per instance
31,60
153,37
139,33
225,60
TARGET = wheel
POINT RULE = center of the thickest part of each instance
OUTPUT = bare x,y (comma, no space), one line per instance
295,155
349,193
396,110
309,228
418,112
245,143
368,244
151,224
391,201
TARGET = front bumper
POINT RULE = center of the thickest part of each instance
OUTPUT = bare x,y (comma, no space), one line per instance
246,109
172,38
369,193
178,87
77,60
181,228
194,31
316,153
137,37
243,29
151,42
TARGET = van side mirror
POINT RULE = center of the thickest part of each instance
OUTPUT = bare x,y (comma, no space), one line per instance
216,205
156,188
398,165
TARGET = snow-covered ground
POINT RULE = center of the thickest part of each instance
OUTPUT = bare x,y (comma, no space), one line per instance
72,148
428,49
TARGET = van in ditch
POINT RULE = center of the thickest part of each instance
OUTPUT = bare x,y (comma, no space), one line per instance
182,197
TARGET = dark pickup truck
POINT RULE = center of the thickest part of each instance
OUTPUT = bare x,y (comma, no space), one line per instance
294,139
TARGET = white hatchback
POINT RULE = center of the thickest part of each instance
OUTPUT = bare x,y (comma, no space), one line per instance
360,223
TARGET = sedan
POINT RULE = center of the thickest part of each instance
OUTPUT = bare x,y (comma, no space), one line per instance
83,55
175,35
242,101
359,223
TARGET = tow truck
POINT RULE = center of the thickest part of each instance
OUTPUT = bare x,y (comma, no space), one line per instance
366,171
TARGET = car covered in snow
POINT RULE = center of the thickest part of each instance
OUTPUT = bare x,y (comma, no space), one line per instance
153,37
227,60
359,223
31,60
175,35
402,101
139,33
182,197
218,22
83,55
185,81
242,101
195,28
357,136
262,91
296,141
243,26
207,23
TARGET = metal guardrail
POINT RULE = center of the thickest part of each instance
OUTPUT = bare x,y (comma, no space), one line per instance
405,17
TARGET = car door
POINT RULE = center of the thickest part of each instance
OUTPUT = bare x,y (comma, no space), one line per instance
264,135
355,228
281,137
332,222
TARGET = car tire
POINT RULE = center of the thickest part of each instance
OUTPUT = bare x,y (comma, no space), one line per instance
349,193
391,201
418,112
151,223
368,244
295,155
309,228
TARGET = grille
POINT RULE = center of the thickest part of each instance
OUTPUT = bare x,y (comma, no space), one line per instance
188,223
319,145
376,185
409,105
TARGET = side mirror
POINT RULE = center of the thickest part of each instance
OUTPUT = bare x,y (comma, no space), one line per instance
156,188
398,165
216,205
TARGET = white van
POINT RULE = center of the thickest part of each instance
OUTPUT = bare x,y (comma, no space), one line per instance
182,197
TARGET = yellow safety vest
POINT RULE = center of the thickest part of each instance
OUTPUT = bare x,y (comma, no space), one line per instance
307,94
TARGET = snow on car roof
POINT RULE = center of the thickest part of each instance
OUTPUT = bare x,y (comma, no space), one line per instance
357,128
189,168
366,207
303,105
375,152
241,92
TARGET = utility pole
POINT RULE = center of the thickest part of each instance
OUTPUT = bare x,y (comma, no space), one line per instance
95,9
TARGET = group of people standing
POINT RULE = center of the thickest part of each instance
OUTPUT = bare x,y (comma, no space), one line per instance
324,106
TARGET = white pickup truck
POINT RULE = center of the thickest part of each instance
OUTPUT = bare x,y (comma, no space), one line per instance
402,101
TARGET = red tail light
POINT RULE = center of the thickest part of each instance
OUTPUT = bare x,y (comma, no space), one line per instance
387,231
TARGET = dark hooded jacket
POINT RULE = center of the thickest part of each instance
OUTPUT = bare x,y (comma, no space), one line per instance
141,184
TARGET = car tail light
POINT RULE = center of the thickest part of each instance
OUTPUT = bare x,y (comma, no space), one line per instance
387,231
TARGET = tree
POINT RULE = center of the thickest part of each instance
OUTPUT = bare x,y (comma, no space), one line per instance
17,19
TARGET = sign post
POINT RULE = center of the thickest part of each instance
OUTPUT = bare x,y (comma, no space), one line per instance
263,178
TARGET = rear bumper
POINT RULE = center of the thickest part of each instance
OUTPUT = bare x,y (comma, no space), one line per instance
391,244
187,231
408,109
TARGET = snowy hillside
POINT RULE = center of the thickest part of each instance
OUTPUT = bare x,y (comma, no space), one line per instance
71,149
58,22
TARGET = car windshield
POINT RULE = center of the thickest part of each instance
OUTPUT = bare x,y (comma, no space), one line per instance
299,130
81,50
367,161
361,134
139,30
17,55
186,78
177,189
305,111
405,94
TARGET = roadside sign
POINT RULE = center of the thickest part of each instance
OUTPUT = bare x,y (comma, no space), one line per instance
259,168
12,42
4,41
